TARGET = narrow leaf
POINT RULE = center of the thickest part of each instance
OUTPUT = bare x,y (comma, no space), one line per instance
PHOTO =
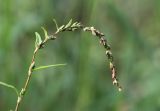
61,28
74,24
48,66
69,24
79,24
9,86
38,39
55,23
45,32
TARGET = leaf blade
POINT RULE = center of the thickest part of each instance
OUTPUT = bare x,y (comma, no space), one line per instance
54,20
61,28
69,24
48,66
45,33
38,39
10,86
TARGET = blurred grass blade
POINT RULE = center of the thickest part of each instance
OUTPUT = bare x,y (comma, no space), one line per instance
9,86
48,66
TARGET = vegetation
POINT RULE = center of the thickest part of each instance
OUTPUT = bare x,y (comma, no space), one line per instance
84,84
39,44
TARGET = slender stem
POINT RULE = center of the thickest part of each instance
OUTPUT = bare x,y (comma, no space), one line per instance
30,70
23,90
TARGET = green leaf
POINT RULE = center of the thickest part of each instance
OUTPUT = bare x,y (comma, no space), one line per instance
74,24
48,66
61,28
69,24
45,32
38,39
55,23
79,24
9,86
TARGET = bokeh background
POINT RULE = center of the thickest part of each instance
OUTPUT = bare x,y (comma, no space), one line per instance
132,27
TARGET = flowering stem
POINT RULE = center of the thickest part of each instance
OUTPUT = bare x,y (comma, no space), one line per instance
40,44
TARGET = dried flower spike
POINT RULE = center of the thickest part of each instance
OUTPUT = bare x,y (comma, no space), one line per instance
103,41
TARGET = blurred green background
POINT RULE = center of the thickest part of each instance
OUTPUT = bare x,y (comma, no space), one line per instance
132,28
